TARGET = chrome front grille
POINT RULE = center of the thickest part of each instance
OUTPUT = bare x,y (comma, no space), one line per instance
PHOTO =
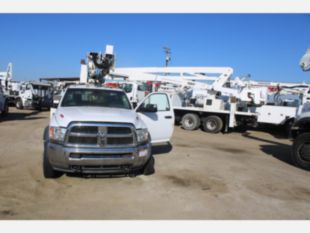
102,135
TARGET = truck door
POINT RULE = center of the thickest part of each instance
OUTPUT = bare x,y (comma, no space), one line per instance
1,100
157,113
27,93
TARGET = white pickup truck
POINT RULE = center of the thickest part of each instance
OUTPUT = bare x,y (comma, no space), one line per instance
95,130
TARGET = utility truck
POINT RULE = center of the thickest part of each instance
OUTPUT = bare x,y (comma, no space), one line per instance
135,91
9,87
35,95
5,77
207,97
95,130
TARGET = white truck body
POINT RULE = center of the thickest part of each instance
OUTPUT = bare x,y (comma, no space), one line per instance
276,115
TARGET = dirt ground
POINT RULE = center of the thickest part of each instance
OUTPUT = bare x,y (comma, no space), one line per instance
201,176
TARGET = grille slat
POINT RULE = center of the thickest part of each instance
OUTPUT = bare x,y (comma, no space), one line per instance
101,135
119,130
83,140
116,141
119,135
83,134
85,129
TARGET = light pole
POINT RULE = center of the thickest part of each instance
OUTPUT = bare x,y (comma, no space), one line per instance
167,55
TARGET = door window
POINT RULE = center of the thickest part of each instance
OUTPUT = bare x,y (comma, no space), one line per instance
160,100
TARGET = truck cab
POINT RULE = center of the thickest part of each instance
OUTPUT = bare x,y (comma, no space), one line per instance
35,95
95,130
133,90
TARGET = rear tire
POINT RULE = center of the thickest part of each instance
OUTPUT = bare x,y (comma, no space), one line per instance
190,121
48,170
149,168
19,104
301,155
212,124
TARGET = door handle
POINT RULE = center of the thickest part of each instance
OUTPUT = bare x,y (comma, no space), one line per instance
168,117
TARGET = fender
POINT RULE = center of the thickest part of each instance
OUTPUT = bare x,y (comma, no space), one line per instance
300,126
301,123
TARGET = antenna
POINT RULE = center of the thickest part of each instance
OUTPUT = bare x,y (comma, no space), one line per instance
167,55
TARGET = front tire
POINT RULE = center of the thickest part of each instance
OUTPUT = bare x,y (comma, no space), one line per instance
149,168
301,151
212,124
19,104
48,170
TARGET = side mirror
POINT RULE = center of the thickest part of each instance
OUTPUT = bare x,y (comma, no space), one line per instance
55,103
149,108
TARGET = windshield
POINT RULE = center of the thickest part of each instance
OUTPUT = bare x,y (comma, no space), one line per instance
95,97
40,87
40,90
127,87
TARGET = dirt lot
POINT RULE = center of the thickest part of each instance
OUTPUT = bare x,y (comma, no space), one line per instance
225,176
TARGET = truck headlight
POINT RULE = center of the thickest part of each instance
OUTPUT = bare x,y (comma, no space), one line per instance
57,134
142,136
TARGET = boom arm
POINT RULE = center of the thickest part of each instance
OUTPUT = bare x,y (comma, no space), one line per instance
305,61
97,66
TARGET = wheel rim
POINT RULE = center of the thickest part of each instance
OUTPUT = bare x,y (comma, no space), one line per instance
211,125
304,151
189,122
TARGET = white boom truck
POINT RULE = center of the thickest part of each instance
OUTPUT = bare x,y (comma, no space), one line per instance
9,87
301,128
205,96
5,77
95,130
35,95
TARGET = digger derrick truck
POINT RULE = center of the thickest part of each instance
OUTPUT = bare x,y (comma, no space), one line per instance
95,130
301,127
34,95
5,77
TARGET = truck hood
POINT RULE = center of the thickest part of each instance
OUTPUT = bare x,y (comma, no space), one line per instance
65,115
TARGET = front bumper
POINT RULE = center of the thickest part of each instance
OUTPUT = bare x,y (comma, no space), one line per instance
98,160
